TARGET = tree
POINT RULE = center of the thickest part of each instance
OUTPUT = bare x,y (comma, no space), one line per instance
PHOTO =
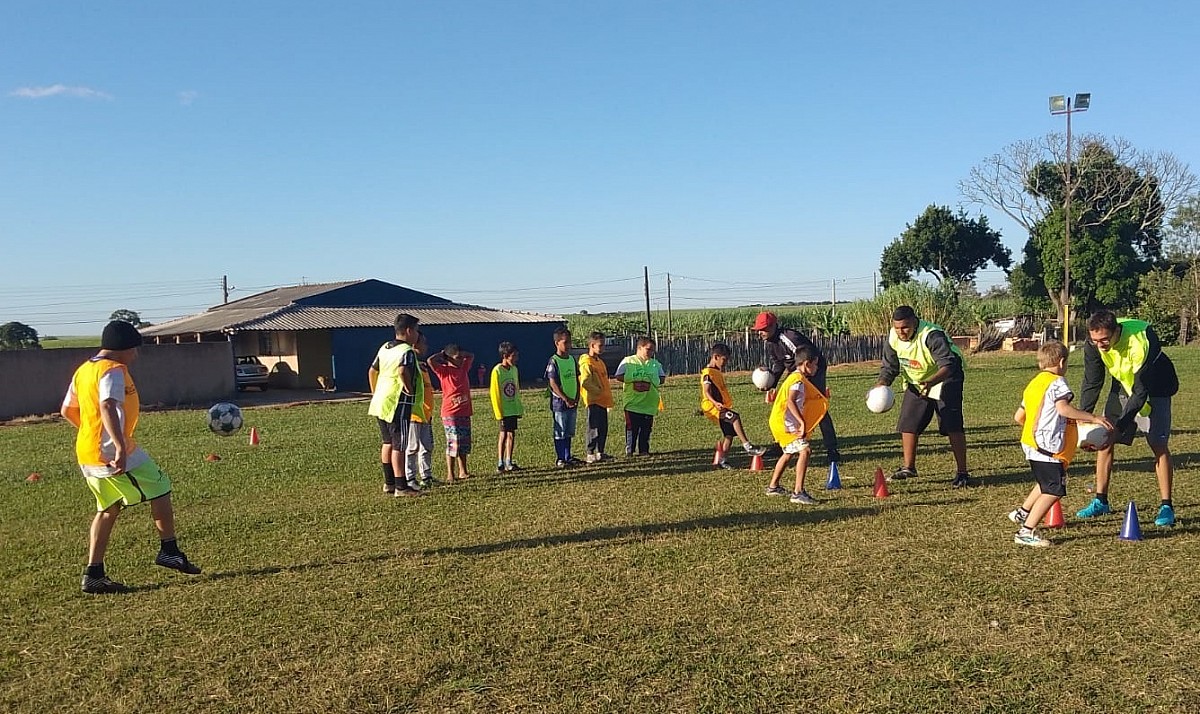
1120,197
948,245
128,316
18,336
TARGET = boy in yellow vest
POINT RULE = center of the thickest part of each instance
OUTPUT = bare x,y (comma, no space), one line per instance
393,379
102,402
1049,437
798,408
596,396
505,393
716,403
418,462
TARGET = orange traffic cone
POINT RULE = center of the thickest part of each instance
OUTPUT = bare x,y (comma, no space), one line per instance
881,489
254,436
756,463
719,454
1054,518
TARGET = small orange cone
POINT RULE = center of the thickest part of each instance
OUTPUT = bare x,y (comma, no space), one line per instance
719,454
33,477
211,457
254,436
881,489
756,463
1054,518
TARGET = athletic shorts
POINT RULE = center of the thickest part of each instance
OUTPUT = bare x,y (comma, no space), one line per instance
1051,477
458,435
394,433
796,446
726,418
143,483
1159,432
509,424
917,411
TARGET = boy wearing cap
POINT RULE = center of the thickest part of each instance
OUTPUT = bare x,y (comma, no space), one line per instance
781,345
102,403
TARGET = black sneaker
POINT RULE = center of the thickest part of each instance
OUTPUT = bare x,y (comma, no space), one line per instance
902,473
961,481
102,585
177,562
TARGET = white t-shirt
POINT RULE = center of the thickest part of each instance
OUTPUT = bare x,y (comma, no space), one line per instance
796,394
1049,427
111,386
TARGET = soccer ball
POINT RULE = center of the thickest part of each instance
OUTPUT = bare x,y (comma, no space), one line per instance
1092,436
880,399
762,378
224,419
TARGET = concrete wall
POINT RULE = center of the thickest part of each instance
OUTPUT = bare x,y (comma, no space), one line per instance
34,381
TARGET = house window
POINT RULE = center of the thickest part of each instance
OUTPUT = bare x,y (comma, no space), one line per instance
266,343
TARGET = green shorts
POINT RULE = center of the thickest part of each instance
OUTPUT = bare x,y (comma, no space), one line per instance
144,483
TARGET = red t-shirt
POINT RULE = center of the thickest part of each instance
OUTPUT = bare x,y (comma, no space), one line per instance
456,388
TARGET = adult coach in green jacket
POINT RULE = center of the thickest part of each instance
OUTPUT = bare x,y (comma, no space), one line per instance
1143,382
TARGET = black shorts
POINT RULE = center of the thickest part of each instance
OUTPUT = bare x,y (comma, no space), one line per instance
509,423
394,432
1051,477
917,411
726,419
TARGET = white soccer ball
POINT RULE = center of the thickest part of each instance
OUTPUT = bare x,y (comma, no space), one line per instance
880,399
224,419
762,378
1092,436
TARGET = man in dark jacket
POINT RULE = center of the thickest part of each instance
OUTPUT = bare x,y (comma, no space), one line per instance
780,345
1143,382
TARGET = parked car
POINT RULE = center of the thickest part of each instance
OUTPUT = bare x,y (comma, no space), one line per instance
249,372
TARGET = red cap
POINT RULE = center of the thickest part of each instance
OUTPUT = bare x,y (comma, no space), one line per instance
765,321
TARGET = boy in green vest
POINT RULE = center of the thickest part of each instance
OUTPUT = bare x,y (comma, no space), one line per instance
392,377
563,377
932,369
1048,437
640,374
505,392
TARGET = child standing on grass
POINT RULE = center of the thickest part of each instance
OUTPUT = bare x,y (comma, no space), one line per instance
717,404
797,410
640,376
102,403
562,375
596,396
1048,437
393,378
418,465
453,368
505,392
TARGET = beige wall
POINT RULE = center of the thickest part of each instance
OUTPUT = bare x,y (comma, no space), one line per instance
34,381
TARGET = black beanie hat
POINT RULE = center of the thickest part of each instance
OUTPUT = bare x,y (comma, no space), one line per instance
120,335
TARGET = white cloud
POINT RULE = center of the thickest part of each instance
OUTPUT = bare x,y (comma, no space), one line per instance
56,90
187,97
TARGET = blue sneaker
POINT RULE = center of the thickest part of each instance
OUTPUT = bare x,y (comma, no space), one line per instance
1166,517
1095,508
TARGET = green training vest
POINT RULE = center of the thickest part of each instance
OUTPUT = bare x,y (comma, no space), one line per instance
916,361
568,376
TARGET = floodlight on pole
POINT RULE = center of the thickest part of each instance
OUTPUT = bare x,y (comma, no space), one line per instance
1061,104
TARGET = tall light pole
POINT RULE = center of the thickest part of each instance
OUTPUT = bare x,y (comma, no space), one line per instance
1061,104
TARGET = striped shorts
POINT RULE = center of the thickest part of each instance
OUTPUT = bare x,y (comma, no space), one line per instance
458,435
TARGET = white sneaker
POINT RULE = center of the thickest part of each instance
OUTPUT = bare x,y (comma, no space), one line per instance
1030,537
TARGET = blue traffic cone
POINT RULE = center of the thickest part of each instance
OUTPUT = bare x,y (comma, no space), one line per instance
834,482
1130,530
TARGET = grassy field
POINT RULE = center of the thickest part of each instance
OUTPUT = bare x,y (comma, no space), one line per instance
54,343
655,585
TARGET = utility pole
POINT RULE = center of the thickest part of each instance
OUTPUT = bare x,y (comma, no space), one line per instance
669,306
874,285
646,287
224,289
833,297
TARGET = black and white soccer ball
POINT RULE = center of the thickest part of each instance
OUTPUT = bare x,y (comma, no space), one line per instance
224,419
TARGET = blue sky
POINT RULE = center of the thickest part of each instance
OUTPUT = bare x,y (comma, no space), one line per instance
530,155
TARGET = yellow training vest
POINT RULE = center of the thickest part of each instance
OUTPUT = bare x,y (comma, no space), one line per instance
916,361
815,407
1034,398
386,396
593,369
91,427
706,405
1127,355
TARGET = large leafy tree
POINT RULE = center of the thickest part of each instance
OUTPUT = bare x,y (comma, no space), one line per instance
949,245
18,336
1120,197
128,316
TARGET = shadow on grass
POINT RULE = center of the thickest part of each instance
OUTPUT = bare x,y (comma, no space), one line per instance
611,533
263,571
